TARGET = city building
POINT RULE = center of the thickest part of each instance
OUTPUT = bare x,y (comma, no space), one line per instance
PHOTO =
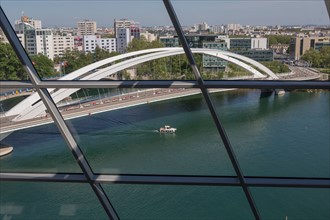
90,42
210,41
247,43
299,45
148,36
257,55
217,29
169,41
233,28
254,48
35,40
237,154
78,42
212,63
25,19
201,27
135,28
62,43
86,27
123,39
280,48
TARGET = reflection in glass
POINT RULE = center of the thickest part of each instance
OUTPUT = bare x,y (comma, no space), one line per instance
178,202
292,203
120,133
278,135
48,201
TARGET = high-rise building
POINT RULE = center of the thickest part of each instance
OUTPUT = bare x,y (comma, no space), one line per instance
134,27
233,27
202,27
62,43
25,19
299,45
86,27
123,39
35,39
90,42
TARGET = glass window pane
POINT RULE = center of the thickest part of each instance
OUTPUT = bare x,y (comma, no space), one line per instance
126,137
278,135
178,202
36,143
292,203
38,149
25,200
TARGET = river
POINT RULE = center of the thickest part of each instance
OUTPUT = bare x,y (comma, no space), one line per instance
272,136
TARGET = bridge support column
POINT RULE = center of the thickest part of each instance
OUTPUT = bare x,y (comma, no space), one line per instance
279,91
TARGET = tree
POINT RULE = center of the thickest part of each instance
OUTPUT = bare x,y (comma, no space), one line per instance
10,66
278,39
314,57
73,60
43,65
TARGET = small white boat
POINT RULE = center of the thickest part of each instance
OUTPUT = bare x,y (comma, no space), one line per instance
167,129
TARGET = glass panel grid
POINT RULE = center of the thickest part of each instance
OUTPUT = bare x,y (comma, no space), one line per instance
84,165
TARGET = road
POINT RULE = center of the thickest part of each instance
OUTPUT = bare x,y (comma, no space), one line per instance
103,105
301,73
129,100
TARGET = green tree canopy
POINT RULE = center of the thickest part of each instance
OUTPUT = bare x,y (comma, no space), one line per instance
43,65
276,66
278,39
74,59
10,66
318,59
142,44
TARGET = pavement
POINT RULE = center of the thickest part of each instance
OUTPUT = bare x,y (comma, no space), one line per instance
102,105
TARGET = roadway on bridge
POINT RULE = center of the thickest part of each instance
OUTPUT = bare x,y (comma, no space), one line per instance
102,105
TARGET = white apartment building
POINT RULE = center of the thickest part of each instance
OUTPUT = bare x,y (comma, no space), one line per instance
86,27
25,19
149,36
218,29
90,42
44,43
259,43
123,39
62,43
233,27
108,44
134,27
246,43
34,39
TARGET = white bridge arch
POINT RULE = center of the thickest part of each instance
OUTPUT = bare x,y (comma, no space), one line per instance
32,107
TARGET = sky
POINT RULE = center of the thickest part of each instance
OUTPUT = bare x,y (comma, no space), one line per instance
152,12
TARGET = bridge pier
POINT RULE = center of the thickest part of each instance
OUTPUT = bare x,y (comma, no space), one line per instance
269,92
279,91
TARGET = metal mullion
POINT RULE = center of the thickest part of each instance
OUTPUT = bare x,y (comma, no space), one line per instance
55,114
208,100
44,177
169,180
245,84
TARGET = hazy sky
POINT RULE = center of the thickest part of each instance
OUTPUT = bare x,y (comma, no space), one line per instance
152,12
